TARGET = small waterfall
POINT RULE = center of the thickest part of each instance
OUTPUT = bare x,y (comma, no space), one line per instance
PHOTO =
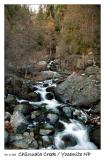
74,136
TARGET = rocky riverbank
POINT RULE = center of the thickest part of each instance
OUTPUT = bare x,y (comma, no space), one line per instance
34,111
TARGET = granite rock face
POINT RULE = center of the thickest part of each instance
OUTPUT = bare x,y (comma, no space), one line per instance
78,91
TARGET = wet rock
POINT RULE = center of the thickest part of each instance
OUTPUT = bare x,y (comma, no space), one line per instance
35,114
80,115
20,141
67,111
10,99
21,90
59,126
45,85
7,116
26,134
32,134
33,96
45,132
69,140
50,75
50,89
46,129
53,118
95,136
53,91
6,136
41,118
19,122
23,108
50,96
48,126
78,91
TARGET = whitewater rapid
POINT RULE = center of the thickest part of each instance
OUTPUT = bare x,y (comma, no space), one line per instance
75,134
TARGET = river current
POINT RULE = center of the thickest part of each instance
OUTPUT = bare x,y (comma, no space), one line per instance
74,134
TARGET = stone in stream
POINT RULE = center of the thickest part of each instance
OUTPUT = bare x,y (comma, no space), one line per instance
80,115
33,96
45,132
47,129
19,122
69,140
45,85
23,108
35,114
59,126
52,118
50,96
78,90
50,89
68,112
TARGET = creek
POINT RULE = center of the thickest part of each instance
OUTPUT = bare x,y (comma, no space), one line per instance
72,133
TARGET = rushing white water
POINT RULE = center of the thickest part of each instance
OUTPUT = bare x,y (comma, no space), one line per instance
41,89
75,130
75,134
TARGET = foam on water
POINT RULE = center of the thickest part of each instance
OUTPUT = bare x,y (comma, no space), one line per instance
75,129
80,134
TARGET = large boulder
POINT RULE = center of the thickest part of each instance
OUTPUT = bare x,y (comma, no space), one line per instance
23,108
95,136
78,91
52,118
19,87
13,84
19,122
